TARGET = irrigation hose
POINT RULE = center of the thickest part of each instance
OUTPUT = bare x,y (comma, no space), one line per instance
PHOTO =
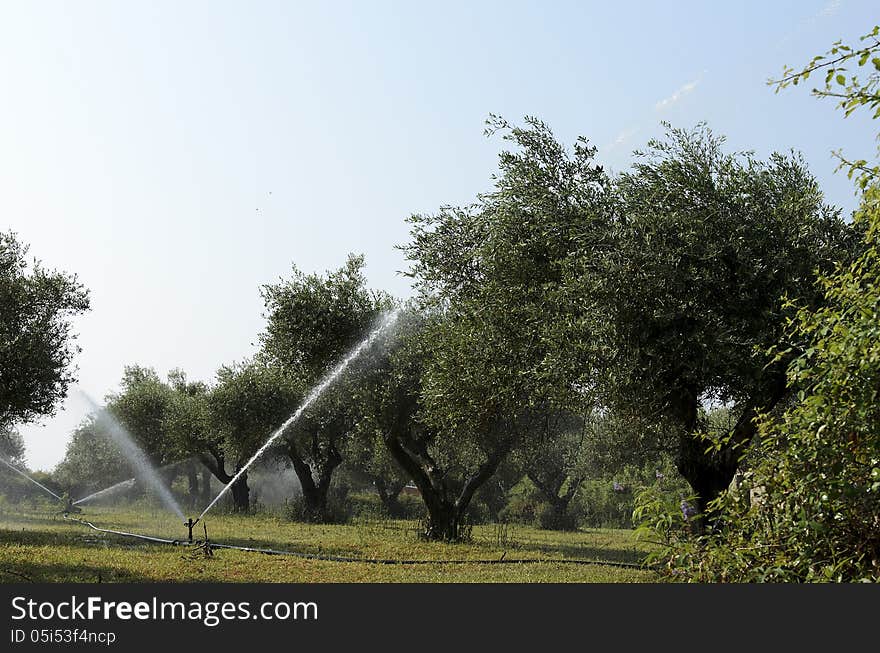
373,561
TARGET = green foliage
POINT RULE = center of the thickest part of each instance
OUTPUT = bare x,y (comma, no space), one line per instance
12,450
337,510
249,401
706,246
142,406
12,446
649,293
366,505
36,343
853,92
491,277
313,321
497,268
92,461
599,505
554,458
662,521
690,297
808,509
814,513
191,422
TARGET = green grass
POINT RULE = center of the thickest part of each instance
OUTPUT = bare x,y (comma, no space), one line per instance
43,547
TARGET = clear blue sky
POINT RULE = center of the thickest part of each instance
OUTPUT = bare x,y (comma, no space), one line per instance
177,155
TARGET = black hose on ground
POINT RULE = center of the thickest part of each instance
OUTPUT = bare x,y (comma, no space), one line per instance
374,561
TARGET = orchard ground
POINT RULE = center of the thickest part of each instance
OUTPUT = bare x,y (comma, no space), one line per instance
39,545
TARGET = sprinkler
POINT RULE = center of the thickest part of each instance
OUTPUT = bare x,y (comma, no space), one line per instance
189,523
69,507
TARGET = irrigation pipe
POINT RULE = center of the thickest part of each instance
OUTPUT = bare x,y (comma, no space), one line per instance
373,561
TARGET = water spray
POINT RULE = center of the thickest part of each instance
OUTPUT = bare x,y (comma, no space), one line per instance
107,490
127,483
34,481
138,459
316,392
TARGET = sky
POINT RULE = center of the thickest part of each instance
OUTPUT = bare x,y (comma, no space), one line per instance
177,156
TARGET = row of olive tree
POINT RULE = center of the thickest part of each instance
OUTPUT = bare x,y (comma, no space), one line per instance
651,293
563,305
312,322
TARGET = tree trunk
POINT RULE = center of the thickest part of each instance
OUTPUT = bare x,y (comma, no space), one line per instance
315,490
240,490
192,478
389,495
558,518
241,494
445,512
205,487
710,473
444,521
315,499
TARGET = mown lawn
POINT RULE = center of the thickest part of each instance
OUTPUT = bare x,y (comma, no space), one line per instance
43,547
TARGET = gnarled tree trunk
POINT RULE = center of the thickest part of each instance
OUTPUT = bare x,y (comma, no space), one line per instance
446,507
315,482
241,494
389,495
710,473
216,462
192,478
550,489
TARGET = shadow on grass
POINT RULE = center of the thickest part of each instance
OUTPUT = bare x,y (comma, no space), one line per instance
49,518
82,536
612,552
37,572
76,534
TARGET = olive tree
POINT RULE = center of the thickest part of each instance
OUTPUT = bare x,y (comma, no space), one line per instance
36,342
312,322
497,352
194,436
142,405
448,455
555,461
12,446
690,297
249,401
92,460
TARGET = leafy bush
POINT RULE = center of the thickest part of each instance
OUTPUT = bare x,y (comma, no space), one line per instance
810,510
337,511
366,505
550,519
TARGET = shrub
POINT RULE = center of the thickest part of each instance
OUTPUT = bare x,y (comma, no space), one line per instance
810,510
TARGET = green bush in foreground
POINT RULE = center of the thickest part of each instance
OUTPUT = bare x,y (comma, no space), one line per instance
810,511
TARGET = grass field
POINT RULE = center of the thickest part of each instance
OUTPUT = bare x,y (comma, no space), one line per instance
40,546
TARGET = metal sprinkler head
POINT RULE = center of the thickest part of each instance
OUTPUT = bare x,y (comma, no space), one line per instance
189,523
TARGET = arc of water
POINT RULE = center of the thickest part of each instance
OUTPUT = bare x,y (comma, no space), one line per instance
316,392
121,484
34,481
107,490
138,459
